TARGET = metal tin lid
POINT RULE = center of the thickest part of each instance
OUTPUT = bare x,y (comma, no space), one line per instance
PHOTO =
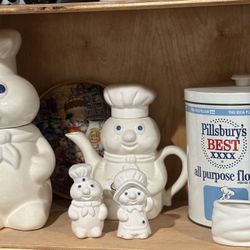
231,95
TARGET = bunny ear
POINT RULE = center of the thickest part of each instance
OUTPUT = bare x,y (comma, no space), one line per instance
80,170
10,42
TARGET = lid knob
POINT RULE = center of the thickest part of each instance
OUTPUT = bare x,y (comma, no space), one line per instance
241,80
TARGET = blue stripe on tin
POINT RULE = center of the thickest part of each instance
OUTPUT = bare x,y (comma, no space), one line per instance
221,112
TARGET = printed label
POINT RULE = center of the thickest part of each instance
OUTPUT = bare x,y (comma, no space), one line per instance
223,142
219,112
218,156
212,193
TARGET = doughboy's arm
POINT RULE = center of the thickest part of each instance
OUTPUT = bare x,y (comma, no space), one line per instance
73,213
103,213
43,163
160,174
122,215
150,204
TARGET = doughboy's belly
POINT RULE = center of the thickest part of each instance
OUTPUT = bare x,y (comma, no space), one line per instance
106,171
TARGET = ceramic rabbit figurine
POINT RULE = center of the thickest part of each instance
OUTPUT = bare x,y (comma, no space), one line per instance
134,202
26,158
87,211
130,137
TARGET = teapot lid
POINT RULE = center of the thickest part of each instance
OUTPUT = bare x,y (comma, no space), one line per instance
230,95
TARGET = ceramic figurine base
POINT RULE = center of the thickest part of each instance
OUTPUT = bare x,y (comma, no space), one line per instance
26,158
130,137
87,211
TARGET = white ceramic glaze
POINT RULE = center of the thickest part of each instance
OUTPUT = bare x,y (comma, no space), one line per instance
134,201
230,222
87,211
130,139
26,158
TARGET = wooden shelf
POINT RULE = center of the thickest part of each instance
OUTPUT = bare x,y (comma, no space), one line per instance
113,5
167,49
171,230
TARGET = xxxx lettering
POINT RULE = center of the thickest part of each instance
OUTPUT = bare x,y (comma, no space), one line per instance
222,155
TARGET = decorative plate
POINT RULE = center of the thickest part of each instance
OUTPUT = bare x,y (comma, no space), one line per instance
76,106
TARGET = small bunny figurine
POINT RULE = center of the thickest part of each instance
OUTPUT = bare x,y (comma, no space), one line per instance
87,211
135,201
26,158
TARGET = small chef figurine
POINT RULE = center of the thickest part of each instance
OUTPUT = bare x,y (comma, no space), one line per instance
134,201
87,211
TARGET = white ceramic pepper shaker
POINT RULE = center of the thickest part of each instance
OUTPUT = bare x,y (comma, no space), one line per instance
87,211
26,158
134,201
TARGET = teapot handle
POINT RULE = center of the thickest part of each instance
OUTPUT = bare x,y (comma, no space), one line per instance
180,182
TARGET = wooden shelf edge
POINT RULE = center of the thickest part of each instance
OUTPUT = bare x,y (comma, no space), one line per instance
170,230
113,6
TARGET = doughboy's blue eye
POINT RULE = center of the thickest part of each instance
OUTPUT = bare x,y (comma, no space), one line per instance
2,89
140,128
126,193
118,128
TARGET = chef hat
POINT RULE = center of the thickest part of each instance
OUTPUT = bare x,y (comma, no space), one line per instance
129,178
128,101
80,170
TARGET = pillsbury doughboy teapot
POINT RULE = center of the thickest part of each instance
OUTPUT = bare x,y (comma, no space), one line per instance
130,139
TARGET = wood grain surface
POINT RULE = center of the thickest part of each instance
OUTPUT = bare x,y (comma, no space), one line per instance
170,230
166,49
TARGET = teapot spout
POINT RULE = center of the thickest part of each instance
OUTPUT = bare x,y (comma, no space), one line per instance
90,155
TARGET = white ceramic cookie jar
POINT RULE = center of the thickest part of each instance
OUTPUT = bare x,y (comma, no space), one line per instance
87,211
26,158
130,139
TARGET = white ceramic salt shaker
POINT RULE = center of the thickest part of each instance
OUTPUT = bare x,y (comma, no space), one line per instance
87,211
134,201
131,137
26,158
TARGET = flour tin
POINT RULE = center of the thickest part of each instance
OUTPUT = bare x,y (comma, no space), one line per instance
218,124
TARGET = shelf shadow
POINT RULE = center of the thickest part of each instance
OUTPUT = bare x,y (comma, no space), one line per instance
59,207
163,221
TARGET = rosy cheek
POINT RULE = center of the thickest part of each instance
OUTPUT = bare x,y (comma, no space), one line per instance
122,199
76,193
96,192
